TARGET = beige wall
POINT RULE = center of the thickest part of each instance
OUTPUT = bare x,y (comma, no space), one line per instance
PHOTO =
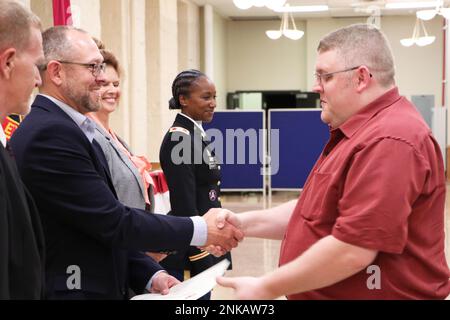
188,36
115,27
162,67
44,11
255,62
85,15
418,69
220,60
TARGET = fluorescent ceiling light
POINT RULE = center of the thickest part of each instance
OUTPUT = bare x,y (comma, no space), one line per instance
302,8
426,14
243,4
411,5
273,4
259,3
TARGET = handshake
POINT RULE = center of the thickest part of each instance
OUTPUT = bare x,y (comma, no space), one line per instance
224,231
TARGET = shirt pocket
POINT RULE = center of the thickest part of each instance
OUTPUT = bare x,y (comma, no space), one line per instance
317,196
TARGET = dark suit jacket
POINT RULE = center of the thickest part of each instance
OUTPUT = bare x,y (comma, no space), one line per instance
21,237
84,223
194,187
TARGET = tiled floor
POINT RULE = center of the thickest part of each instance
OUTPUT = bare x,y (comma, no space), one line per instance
255,257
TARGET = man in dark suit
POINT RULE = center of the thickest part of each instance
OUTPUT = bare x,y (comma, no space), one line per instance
21,239
94,242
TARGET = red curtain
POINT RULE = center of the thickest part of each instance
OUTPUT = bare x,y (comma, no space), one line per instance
61,13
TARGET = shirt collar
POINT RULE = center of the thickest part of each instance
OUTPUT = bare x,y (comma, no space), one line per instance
3,137
352,125
198,124
86,125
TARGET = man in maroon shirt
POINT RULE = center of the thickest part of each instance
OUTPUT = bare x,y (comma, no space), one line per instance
369,223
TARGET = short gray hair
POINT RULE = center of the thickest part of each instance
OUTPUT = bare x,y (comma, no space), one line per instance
56,44
16,22
363,44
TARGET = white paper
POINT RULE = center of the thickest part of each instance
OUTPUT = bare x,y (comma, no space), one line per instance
193,288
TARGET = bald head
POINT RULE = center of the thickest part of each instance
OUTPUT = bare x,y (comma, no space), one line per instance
59,42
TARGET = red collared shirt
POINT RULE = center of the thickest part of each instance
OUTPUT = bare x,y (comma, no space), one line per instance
378,184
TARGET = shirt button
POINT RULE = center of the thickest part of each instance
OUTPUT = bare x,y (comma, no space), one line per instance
218,167
218,183
218,199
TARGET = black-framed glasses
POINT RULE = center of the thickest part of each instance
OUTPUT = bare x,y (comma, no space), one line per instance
327,76
96,68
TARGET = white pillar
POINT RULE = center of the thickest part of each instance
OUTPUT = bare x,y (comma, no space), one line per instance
124,33
138,78
193,17
209,40
162,67
86,15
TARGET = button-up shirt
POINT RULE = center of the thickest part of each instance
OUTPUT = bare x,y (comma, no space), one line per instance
379,184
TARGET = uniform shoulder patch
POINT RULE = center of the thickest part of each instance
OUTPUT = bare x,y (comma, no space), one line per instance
179,129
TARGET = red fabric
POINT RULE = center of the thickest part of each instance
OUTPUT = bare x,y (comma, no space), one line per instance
379,184
160,182
10,124
160,192
61,13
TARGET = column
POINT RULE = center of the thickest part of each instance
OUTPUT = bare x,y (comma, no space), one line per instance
209,40
162,67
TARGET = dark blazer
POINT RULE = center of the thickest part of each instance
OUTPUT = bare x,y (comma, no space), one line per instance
21,237
84,224
194,187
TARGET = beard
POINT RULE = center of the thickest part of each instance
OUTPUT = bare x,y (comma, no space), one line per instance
83,100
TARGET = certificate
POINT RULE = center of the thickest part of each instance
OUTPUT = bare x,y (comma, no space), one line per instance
193,288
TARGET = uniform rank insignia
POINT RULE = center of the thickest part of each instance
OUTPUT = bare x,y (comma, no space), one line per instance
179,129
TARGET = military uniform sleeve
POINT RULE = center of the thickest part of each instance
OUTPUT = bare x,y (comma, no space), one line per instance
176,161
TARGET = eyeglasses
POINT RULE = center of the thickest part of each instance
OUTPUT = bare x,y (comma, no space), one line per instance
320,77
96,68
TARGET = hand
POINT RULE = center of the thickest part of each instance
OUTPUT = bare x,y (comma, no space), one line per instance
228,236
226,215
156,256
222,217
216,251
162,282
246,288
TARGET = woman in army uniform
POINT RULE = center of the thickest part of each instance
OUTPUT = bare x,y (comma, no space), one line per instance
190,167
